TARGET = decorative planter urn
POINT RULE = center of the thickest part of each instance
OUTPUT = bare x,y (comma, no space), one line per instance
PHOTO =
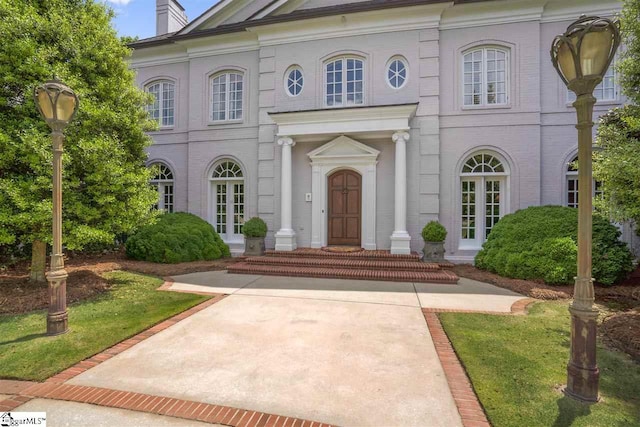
254,246
433,252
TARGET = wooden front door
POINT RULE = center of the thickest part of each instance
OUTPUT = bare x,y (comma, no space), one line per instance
345,201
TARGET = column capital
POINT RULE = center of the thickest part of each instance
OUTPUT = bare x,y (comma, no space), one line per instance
401,135
286,140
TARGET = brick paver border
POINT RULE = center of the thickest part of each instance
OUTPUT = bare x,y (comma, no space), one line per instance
160,405
469,406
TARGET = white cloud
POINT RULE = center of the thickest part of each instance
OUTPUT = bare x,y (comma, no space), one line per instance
120,2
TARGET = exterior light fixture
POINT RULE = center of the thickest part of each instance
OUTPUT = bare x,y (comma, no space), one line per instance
58,105
582,56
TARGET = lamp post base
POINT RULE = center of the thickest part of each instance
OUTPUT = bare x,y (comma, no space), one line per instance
583,374
57,318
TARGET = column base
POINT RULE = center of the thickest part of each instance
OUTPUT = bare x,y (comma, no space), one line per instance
583,374
400,243
286,240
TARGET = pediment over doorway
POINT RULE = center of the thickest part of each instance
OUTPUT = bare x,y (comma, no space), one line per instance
343,147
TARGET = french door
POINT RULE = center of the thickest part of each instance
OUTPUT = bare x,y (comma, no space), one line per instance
227,198
482,205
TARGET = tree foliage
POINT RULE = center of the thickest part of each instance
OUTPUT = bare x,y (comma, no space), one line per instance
105,181
617,165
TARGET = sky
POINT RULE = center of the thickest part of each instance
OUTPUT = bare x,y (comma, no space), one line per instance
138,17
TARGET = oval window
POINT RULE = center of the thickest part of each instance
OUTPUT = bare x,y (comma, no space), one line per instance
397,73
294,82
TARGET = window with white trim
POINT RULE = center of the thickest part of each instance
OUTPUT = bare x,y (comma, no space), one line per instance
344,82
483,182
294,81
607,89
485,77
227,200
227,89
163,183
397,72
162,107
572,184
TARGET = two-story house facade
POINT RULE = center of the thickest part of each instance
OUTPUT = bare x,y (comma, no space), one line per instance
357,122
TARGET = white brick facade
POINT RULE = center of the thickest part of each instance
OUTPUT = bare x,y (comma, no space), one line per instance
533,133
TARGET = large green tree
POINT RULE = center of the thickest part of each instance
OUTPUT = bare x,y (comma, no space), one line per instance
618,163
105,181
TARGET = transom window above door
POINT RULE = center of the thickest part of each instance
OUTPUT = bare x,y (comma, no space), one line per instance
226,91
485,77
344,82
161,108
227,198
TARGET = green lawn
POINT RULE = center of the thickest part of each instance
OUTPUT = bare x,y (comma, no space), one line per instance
517,362
132,306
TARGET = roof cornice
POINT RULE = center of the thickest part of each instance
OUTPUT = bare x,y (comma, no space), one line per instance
298,15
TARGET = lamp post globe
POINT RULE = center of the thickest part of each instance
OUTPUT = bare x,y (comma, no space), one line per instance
582,55
58,105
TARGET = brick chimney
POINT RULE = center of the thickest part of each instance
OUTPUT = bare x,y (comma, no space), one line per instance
170,16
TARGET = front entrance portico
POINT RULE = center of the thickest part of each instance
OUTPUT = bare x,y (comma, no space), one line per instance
344,152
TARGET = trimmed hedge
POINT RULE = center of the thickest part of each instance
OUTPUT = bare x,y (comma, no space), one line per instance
177,237
540,242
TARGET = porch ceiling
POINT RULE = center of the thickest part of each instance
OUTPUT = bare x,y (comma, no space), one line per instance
363,122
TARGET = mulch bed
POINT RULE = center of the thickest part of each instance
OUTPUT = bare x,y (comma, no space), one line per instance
620,329
19,295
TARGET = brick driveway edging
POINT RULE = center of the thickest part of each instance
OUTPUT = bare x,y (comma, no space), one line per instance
469,406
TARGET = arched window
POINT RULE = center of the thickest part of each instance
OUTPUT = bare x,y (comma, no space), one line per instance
572,184
344,81
485,77
162,107
227,89
227,200
483,182
163,182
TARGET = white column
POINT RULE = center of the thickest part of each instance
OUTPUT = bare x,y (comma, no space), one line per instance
400,239
286,237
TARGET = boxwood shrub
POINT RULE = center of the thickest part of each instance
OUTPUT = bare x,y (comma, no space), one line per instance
434,232
541,243
255,227
176,237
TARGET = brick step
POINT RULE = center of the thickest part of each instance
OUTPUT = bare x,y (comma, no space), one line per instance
354,263
378,255
441,276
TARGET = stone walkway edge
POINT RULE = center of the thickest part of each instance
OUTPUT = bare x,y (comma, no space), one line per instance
467,402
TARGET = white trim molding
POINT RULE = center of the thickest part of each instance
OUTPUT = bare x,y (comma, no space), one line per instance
337,121
343,153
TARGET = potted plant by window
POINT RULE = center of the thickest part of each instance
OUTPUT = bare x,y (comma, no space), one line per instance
434,234
254,232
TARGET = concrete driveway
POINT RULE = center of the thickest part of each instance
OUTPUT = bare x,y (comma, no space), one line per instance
341,352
